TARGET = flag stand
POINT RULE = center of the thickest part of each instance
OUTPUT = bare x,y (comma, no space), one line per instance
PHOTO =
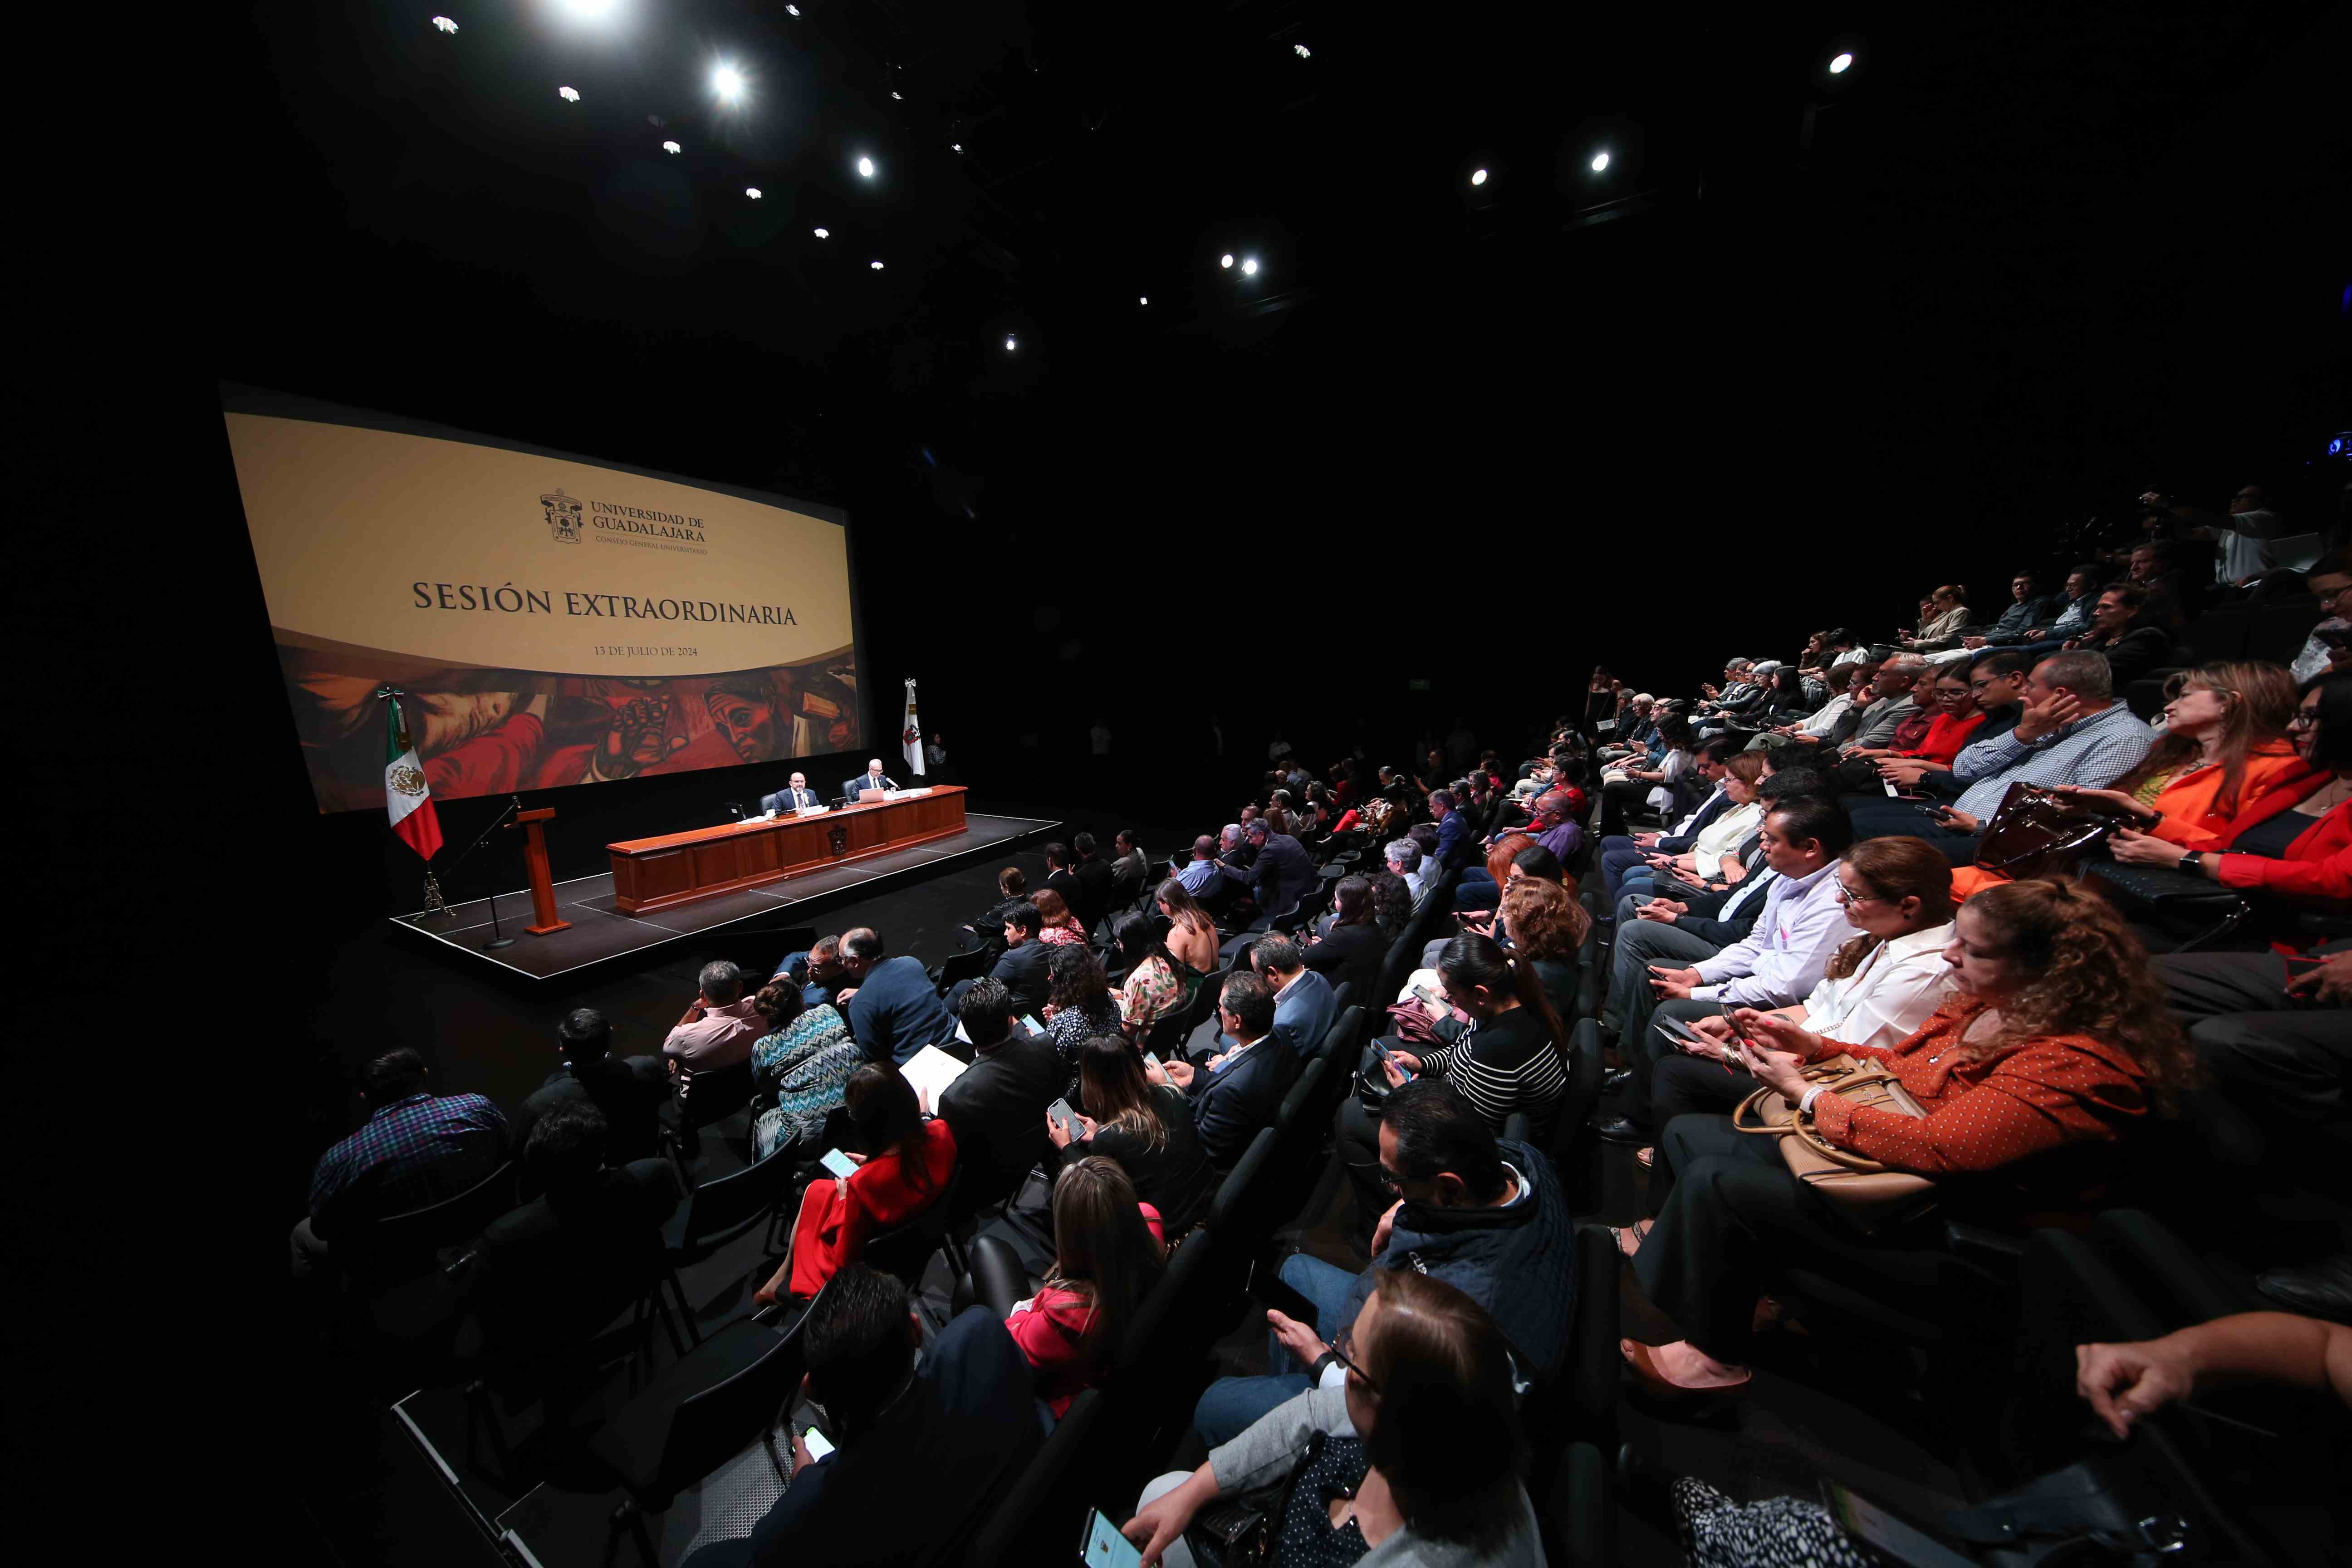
433,901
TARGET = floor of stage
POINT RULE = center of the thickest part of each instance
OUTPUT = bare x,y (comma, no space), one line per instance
599,933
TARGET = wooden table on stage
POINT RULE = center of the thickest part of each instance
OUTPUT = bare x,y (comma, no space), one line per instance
679,867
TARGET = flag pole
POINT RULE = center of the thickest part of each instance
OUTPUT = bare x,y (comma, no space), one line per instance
434,905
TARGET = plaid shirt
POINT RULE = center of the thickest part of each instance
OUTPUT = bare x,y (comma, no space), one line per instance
416,1152
2092,751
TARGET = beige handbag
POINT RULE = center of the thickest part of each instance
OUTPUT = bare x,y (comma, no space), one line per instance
1872,1194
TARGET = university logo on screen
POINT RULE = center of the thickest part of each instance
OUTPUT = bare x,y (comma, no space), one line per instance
567,515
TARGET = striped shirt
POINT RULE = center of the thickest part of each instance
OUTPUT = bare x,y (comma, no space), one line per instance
2093,751
1508,1063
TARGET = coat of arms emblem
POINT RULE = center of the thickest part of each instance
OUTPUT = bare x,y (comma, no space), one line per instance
564,516
837,836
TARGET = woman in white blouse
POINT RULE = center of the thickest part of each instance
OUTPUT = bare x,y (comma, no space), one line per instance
1712,855
1879,988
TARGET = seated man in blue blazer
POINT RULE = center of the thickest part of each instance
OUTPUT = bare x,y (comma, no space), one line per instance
960,1423
872,778
1236,1091
792,797
1304,1005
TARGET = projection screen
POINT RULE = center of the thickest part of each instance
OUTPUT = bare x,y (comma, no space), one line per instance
549,620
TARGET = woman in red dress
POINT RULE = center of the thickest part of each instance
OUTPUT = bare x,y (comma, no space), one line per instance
904,1170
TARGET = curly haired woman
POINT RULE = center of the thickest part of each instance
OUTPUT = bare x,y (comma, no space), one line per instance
2057,1035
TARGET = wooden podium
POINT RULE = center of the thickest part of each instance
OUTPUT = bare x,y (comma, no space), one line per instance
534,860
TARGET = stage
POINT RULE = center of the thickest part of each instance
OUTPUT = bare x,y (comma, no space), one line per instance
600,935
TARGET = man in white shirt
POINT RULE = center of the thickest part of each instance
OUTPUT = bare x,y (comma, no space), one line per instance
1780,961
2245,533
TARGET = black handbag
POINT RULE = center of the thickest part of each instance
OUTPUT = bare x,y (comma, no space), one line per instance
2180,903
1241,1531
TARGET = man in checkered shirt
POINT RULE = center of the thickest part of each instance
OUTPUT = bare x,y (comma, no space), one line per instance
2072,731
417,1148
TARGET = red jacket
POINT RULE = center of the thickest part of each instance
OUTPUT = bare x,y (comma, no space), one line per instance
836,1217
1050,1329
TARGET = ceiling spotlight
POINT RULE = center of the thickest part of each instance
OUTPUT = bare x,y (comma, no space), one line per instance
589,10
955,146
866,167
1600,162
1249,268
1143,299
791,10
753,192
1477,177
897,94
1224,261
1302,51
670,147
876,265
1009,343
825,234
445,24
568,94
726,83
1838,64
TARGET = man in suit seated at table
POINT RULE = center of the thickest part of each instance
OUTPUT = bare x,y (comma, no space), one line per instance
792,797
1236,1091
872,778
948,1434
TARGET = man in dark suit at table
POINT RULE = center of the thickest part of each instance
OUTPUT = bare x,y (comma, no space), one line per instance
1236,1091
792,797
872,778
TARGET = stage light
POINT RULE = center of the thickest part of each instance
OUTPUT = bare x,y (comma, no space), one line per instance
1224,261
1009,344
753,192
726,83
1302,51
670,147
445,24
825,234
897,94
1477,177
955,146
1143,299
568,94
866,167
791,10
1839,63
1600,162
1249,268
590,10
876,265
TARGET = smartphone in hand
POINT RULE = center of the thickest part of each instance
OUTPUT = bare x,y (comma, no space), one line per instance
1060,1113
839,1163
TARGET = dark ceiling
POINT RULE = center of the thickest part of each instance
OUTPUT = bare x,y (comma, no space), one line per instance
2019,263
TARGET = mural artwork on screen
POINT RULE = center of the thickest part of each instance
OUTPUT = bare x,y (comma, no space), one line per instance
551,622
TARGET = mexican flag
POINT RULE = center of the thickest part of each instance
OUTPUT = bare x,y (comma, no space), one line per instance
406,797
912,735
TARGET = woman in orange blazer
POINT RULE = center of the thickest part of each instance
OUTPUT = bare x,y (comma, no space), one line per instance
905,1170
2224,750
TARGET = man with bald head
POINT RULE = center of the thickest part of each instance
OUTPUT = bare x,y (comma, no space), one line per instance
792,797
